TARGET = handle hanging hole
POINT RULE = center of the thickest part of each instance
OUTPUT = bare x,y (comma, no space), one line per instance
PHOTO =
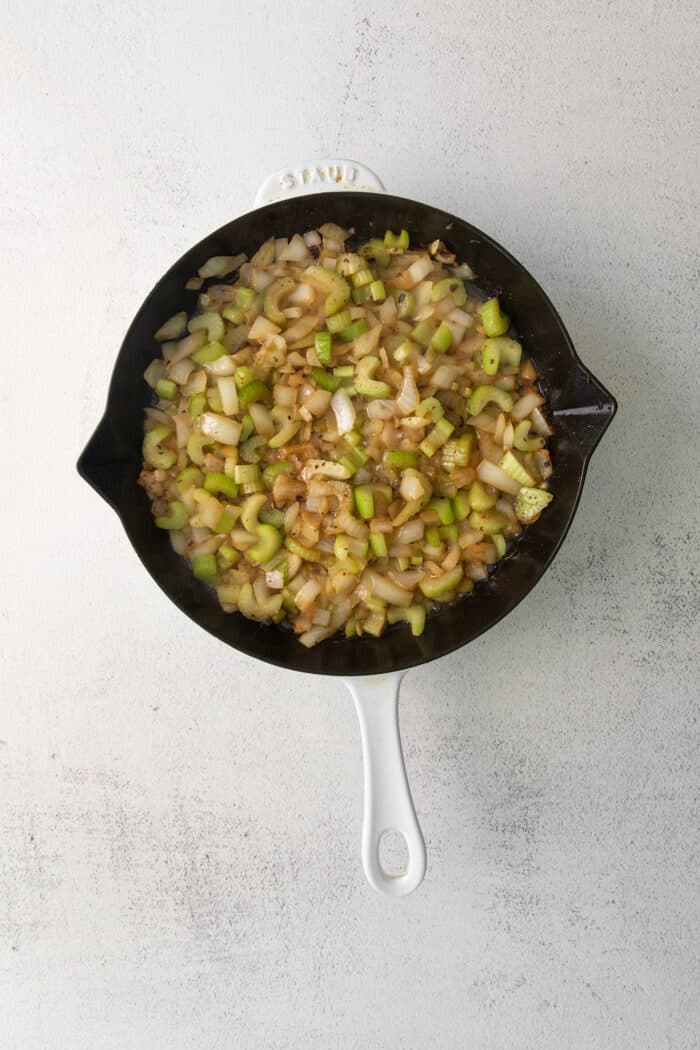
393,853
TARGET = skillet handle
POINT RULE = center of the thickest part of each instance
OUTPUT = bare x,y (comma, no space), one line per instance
388,803
296,180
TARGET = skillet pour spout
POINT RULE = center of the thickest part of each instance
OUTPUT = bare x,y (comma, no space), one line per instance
107,463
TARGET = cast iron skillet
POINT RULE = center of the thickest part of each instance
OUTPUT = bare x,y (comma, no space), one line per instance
581,409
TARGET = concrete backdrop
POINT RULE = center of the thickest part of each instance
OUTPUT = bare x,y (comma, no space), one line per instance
179,826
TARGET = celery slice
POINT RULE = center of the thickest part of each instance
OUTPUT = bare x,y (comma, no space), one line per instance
514,469
494,322
153,453
437,588
205,567
483,395
268,545
529,504
177,519
217,483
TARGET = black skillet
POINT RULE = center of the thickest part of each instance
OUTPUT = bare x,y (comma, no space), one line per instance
580,407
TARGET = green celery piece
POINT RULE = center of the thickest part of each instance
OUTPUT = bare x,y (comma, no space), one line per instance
399,459
441,339
198,402
338,321
211,352
153,453
268,545
443,584
377,541
325,380
352,330
272,295
479,498
189,477
444,510
462,505
216,483
449,286
481,396
242,376
529,504
166,389
177,519
494,322
227,520
273,470
205,567
488,521
323,347
254,391
364,501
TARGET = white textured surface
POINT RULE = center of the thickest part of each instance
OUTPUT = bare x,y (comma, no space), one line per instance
180,826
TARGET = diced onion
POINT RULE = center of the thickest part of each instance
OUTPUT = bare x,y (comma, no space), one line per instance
344,412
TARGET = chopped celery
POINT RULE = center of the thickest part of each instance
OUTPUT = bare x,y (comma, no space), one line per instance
325,380
249,451
374,624
413,615
336,288
166,389
457,452
177,519
523,442
488,521
500,350
211,352
499,542
284,435
272,295
190,476
438,588
529,504
417,559
482,395
377,542
352,330
449,286
272,516
348,546
244,473
374,251
227,520
213,324
399,459
354,459
430,406
345,372
432,536
195,447
405,305
234,314
198,402
377,291
405,351
397,241
361,295
444,510
273,470
252,505
269,543
462,504
436,438
247,428
362,277
449,533
244,297
153,453
479,498
339,321
214,400
441,339
365,384
229,555
323,346
205,568
255,391
423,332
243,376
219,483
466,586
490,357
494,322
364,501
305,553
514,469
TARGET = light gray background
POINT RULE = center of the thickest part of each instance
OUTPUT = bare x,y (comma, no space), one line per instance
179,826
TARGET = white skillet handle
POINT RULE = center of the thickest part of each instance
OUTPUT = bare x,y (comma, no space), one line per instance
317,177
388,802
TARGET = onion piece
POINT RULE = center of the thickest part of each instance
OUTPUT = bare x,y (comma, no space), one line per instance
409,398
344,412
380,408
525,405
384,588
492,475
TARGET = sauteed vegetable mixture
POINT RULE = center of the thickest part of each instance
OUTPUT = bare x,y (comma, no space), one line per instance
342,438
